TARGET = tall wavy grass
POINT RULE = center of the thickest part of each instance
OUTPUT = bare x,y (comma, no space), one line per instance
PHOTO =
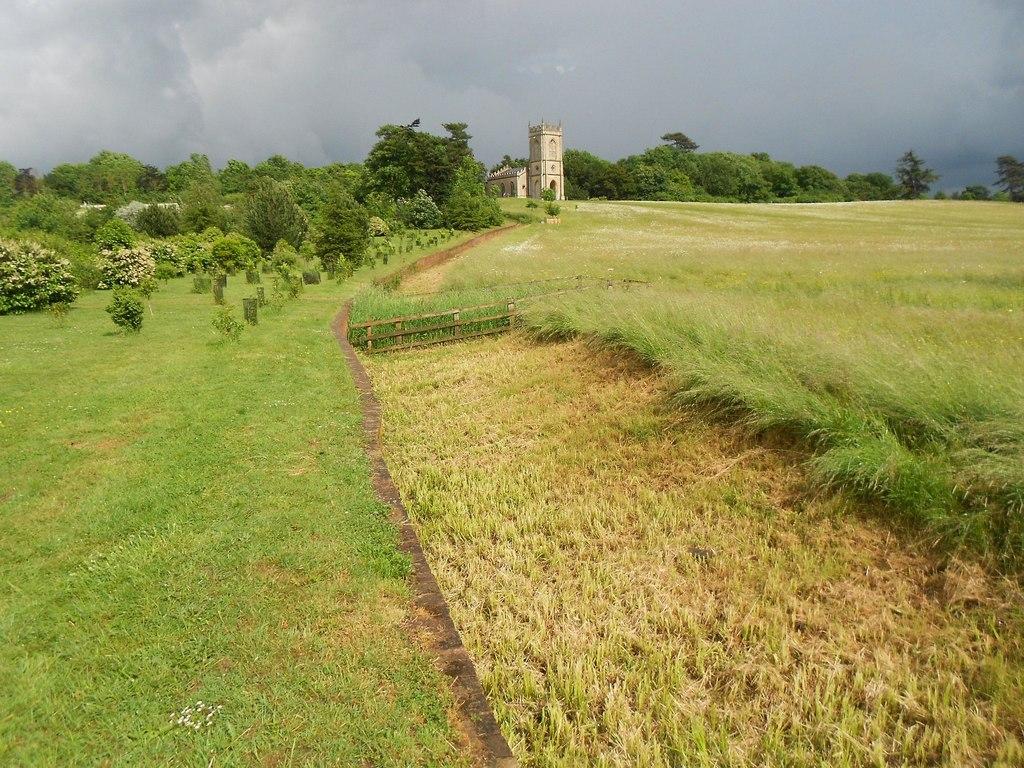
888,337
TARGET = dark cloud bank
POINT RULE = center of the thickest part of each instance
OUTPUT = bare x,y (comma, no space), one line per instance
846,85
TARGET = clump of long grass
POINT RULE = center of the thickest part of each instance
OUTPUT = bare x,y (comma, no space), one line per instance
915,428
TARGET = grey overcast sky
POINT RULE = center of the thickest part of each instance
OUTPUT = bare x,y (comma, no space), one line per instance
845,84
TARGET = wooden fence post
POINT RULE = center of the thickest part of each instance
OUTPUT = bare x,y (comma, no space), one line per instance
511,311
398,330
458,325
369,338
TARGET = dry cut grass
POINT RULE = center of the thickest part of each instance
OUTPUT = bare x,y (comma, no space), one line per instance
638,586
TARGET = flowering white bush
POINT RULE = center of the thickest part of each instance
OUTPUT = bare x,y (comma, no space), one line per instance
130,212
126,266
32,276
378,227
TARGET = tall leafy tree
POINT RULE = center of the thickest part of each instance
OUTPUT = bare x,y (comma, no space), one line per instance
8,175
25,183
194,171
152,179
271,215
511,162
404,160
1010,177
681,141
915,178
202,207
234,177
469,206
72,180
342,236
279,168
583,171
872,186
115,174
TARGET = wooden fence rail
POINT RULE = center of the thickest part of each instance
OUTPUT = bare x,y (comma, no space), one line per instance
449,325
409,331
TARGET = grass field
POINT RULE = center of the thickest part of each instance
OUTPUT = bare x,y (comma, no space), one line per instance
886,336
186,521
639,585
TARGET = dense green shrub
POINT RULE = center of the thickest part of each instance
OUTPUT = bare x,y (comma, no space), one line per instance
171,261
32,277
194,250
159,220
125,309
419,212
114,235
234,252
126,267
45,213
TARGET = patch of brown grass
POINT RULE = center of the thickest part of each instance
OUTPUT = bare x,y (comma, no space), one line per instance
639,586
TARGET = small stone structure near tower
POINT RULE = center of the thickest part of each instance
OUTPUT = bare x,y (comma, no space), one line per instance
544,170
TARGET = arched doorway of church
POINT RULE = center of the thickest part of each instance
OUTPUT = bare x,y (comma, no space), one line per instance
553,186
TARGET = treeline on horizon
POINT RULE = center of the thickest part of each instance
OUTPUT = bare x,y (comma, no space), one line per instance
406,163
675,171
187,216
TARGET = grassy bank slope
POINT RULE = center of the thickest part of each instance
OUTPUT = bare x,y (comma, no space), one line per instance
887,335
640,587
183,521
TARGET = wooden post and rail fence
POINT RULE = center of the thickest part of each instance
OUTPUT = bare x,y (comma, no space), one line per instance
408,331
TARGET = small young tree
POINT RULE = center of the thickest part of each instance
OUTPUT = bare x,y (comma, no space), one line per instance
272,215
342,233
914,176
125,309
1010,175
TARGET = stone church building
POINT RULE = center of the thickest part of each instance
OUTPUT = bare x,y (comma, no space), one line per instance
544,170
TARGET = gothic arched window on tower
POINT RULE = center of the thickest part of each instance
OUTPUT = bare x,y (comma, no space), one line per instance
552,148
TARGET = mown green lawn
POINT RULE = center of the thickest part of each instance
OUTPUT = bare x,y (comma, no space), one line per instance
185,521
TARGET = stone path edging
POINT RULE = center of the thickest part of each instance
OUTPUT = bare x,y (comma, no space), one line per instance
431,615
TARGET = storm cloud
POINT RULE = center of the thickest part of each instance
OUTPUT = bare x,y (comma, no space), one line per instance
846,85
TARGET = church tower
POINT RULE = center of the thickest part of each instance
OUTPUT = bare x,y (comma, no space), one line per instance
545,168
